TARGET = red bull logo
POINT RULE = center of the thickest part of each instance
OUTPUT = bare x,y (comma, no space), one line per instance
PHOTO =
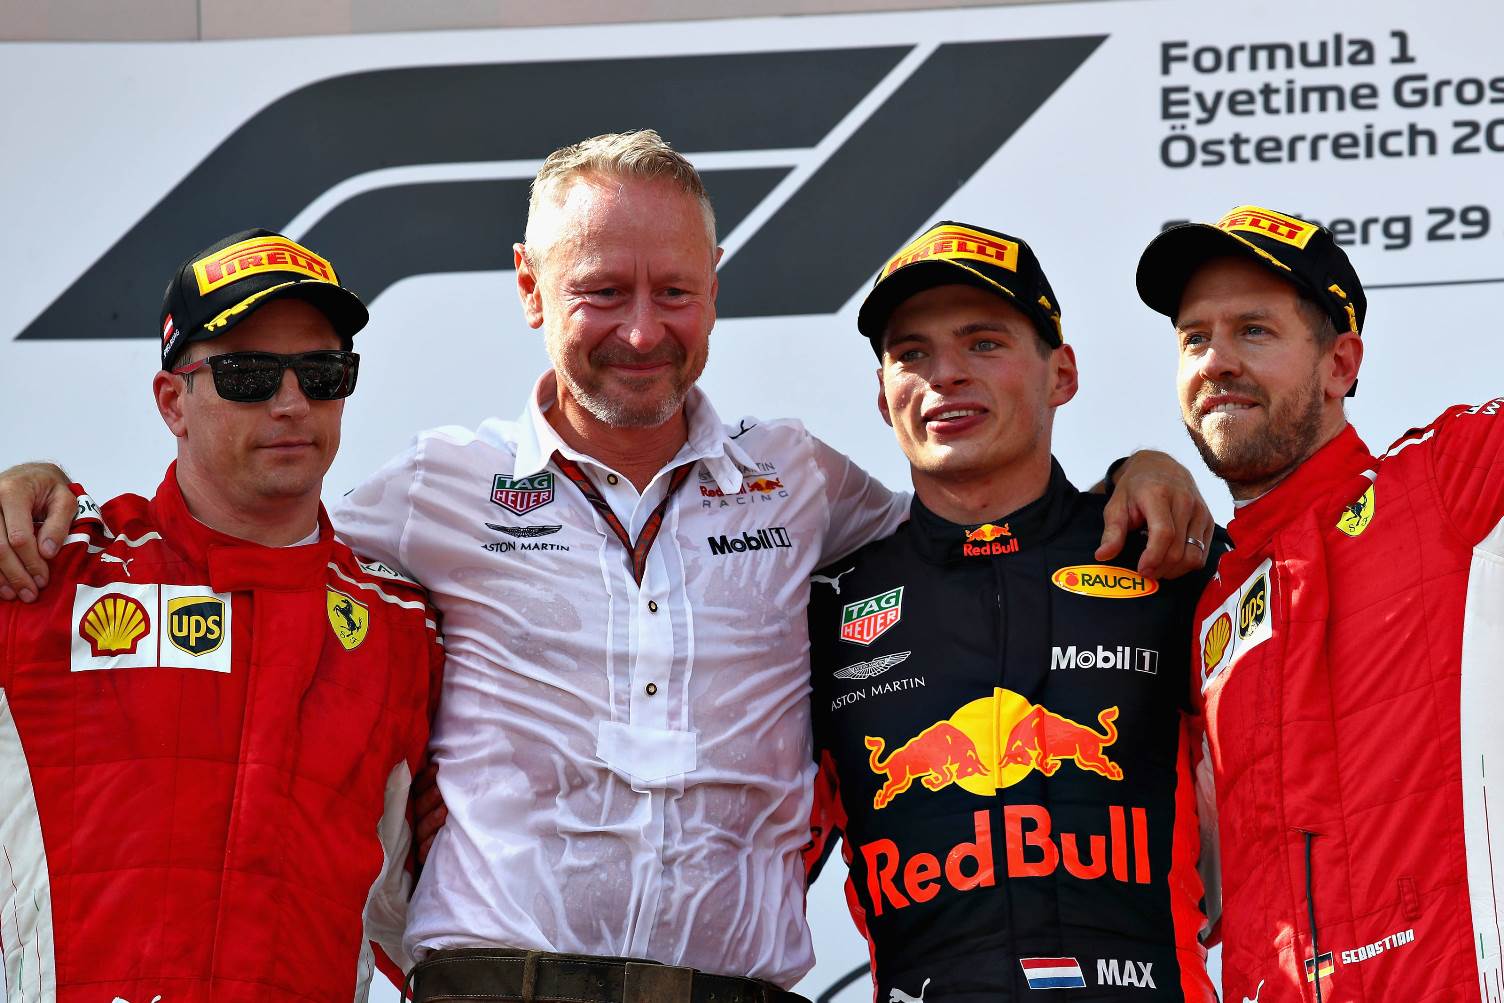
1044,739
937,757
988,540
1031,849
961,750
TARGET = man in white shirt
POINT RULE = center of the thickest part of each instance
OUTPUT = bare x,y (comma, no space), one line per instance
623,741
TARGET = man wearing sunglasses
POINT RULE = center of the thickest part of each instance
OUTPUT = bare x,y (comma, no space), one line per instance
624,737
209,720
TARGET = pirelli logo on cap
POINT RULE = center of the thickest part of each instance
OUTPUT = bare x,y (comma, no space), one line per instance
955,243
1252,219
259,254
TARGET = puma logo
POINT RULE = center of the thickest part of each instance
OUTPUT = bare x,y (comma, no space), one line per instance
835,582
117,999
899,996
124,562
1256,993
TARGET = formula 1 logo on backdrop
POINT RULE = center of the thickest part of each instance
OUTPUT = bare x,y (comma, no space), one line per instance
819,245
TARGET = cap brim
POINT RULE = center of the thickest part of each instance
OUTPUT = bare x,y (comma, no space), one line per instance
878,307
346,313
1171,258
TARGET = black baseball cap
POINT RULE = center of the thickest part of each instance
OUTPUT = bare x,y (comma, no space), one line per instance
231,278
951,253
1298,251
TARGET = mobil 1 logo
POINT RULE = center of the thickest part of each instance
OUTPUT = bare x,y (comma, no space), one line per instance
771,538
1103,656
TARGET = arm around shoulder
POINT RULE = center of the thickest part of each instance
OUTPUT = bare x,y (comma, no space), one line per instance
37,504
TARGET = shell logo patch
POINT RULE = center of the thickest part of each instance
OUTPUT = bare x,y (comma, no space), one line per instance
1104,581
114,625
142,625
1243,621
349,618
1358,514
1215,644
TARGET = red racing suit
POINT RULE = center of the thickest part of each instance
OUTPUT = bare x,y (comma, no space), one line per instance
205,750
1348,653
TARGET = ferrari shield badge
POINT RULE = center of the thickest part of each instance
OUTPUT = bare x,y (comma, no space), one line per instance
350,619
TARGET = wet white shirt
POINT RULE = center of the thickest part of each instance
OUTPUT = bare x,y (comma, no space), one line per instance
627,769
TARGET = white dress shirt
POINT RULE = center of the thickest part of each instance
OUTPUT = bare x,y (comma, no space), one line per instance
627,768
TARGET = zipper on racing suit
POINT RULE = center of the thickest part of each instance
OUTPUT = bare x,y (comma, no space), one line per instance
1310,840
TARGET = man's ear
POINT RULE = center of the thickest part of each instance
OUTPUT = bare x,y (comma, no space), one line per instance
529,291
1347,356
1064,378
169,391
882,398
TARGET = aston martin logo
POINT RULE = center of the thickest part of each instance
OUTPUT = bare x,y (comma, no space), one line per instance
524,532
876,667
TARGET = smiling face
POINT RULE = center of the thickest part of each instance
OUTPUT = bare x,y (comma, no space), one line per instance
253,455
966,387
624,288
1258,392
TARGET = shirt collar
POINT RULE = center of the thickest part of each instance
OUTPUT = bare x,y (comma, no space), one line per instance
1331,477
941,541
708,441
233,563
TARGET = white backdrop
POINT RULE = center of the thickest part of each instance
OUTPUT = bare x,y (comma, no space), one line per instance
95,135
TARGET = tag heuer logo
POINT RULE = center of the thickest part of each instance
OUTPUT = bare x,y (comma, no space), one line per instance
865,620
523,494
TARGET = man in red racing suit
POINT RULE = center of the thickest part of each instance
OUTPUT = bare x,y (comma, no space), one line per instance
206,737
1348,651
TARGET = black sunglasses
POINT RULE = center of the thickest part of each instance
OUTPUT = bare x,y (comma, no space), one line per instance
252,377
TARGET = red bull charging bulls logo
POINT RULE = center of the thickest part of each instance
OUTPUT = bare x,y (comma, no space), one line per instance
985,746
960,750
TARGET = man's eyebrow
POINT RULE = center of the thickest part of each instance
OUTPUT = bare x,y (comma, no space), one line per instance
979,327
1257,313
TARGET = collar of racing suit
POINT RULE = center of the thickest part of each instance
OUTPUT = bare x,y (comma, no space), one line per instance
234,563
1333,476
940,541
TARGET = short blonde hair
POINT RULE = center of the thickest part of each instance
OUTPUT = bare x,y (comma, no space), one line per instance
641,154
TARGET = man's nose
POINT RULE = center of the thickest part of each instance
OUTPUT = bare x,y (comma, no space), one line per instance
948,368
289,398
644,327
1221,359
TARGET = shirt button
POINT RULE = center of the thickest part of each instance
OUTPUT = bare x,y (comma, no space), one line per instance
652,688
652,606
612,478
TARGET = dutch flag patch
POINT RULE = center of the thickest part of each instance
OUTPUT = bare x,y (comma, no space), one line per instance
1053,973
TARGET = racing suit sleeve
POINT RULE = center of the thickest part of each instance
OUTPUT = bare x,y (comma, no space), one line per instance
1467,462
1209,863
859,509
385,915
827,821
373,518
